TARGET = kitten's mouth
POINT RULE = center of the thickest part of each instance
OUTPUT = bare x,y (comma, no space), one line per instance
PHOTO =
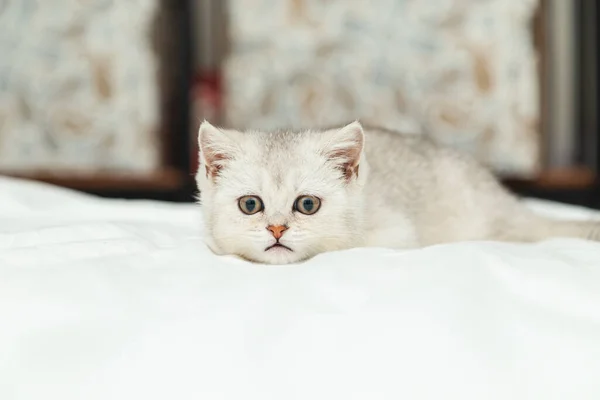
278,246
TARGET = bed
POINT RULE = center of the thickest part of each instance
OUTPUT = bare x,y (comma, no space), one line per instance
114,299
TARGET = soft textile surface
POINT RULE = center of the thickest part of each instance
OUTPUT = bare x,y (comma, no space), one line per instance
105,299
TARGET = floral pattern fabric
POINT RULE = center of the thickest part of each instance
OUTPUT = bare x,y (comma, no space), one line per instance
78,85
463,71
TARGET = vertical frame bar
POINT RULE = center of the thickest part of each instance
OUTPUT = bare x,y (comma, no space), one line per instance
561,65
588,84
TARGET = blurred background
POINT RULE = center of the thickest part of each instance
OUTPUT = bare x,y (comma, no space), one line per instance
105,96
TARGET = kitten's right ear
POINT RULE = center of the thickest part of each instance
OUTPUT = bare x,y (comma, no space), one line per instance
216,148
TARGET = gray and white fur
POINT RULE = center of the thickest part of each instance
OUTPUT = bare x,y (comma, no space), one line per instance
376,188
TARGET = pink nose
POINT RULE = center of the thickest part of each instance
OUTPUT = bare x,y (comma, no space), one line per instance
277,230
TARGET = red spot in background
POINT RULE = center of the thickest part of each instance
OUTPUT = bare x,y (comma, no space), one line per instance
207,103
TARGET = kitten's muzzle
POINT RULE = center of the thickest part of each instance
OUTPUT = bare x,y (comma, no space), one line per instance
277,232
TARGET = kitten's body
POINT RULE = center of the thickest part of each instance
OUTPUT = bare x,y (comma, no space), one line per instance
382,189
445,196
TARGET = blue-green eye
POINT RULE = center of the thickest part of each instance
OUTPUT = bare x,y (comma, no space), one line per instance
307,204
250,204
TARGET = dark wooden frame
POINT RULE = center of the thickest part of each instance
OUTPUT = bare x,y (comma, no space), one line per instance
579,184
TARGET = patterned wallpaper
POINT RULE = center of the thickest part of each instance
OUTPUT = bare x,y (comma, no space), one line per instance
78,85
462,70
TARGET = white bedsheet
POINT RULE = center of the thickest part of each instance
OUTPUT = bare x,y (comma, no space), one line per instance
104,299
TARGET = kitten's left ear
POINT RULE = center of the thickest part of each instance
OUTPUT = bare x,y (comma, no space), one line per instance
345,147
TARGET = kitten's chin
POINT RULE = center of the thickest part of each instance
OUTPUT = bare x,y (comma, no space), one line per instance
276,256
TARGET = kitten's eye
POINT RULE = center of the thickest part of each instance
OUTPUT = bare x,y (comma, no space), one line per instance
307,204
250,204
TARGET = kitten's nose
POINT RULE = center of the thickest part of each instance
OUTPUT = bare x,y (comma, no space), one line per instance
277,230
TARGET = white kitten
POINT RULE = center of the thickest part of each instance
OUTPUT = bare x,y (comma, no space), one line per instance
284,197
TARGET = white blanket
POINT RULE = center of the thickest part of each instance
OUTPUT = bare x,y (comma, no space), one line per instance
104,299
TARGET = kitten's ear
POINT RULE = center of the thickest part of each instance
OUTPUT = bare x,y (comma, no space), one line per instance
345,147
216,148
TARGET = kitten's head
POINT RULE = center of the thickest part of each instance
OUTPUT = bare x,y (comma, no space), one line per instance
281,197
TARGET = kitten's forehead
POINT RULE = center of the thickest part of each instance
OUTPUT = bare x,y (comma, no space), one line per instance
285,161
279,151
283,142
